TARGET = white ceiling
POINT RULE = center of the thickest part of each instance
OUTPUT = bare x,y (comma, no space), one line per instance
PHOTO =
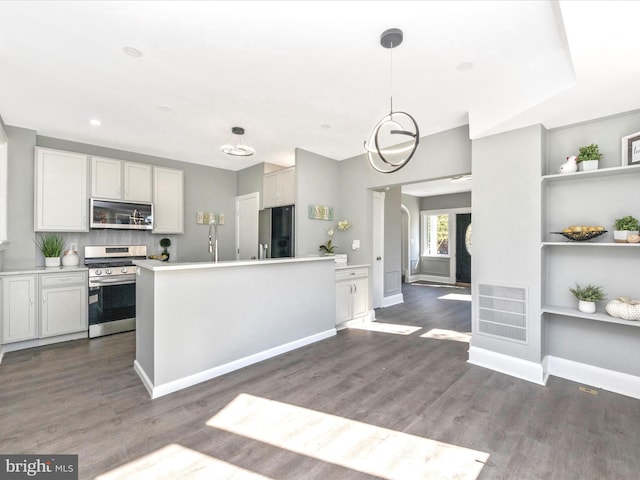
282,70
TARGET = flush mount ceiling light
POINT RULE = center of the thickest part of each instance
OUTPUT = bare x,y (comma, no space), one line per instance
239,149
391,155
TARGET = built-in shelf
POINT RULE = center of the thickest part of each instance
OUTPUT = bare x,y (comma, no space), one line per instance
603,172
598,316
590,244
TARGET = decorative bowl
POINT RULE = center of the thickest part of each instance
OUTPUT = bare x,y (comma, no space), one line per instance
580,236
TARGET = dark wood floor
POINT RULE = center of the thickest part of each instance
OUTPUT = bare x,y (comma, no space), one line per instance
83,397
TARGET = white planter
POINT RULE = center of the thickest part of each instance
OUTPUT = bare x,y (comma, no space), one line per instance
51,261
620,236
587,307
588,165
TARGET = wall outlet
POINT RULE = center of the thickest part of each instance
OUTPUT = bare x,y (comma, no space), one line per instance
74,247
221,219
355,245
200,217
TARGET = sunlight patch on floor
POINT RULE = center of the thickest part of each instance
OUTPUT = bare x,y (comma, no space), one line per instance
355,445
175,461
385,328
464,297
452,335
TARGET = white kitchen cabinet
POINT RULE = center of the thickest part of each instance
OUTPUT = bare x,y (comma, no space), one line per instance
352,294
279,188
18,308
63,306
168,200
60,191
120,180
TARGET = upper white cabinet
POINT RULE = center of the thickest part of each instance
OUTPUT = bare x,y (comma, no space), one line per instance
168,200
60,191
279,188
120,180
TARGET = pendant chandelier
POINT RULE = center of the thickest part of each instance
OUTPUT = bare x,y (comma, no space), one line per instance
397,153
239,149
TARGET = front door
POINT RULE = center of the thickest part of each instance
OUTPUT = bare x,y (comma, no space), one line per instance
463,248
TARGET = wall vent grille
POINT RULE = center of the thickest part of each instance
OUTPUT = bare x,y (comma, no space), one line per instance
502,312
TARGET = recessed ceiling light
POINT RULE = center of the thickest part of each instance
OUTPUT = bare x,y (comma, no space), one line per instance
464,66
165,108
325,126
132,52
95,122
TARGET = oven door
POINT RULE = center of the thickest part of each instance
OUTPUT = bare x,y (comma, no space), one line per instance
112,306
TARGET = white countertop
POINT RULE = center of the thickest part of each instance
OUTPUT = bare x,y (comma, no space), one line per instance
158,266
344,267
30,270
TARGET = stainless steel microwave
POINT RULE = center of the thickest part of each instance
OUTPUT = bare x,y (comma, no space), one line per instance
121,214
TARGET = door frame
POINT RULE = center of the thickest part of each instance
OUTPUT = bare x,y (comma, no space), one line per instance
377,266
240,198
407,245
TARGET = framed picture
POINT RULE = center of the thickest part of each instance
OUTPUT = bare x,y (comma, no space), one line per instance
631,149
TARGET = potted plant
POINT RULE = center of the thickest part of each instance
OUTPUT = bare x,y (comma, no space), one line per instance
51,246
329,248
623,227
587,297
589,157
165,243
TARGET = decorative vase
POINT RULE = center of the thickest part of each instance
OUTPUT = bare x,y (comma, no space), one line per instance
51,262
586,307
587,165
620,236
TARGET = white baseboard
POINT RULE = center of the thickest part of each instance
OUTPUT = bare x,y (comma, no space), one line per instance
432,278
39,342
412,278
516,367
173,386
372,316
1,354
610,380
392,300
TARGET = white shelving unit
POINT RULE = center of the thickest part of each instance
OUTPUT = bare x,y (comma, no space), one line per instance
599,316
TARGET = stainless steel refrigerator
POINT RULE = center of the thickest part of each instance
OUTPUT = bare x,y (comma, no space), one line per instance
282,231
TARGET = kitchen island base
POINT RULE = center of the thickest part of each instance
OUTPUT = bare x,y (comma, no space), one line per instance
197,321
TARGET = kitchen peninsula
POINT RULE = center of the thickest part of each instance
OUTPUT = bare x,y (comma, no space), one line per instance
196,321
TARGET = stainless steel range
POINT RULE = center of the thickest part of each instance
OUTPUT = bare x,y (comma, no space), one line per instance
112,287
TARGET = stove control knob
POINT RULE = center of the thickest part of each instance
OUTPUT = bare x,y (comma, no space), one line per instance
124,270
108,271
98,272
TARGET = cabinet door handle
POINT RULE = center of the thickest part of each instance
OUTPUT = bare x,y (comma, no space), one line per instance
350,289
378,258
44,298
31,300
355,288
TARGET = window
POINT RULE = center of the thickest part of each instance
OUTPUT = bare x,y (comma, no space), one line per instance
436,235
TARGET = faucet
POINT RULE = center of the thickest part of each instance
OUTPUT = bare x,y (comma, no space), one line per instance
213,240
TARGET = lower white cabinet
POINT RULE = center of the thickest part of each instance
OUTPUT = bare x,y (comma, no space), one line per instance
19,308
352,294
43,306
64,303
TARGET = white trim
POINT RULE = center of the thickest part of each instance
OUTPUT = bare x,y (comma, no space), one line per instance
173,386
392,300
38,342
610,380
1,354
407,267
516,367
413,278
431,278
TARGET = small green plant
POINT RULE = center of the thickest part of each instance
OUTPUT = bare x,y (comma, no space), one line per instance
50,245
589,152
590,293
165,243
628,223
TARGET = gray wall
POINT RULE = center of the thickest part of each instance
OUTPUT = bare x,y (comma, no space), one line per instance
441,202
318,184
392,239
440,155
249,180
507,227
413,205
206,189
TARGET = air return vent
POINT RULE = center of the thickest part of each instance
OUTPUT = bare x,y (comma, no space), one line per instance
502,312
